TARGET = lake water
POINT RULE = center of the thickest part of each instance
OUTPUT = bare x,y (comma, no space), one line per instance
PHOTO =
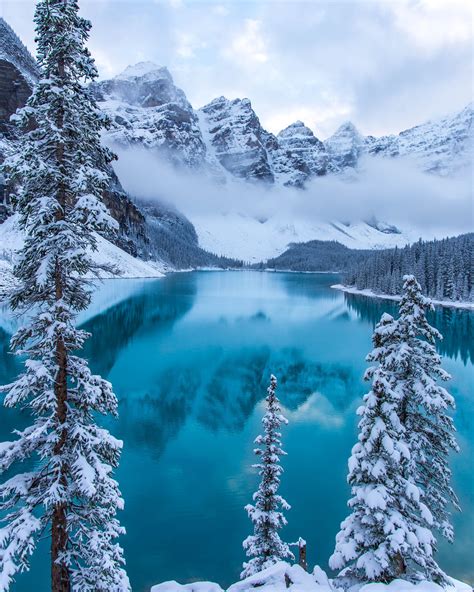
190,357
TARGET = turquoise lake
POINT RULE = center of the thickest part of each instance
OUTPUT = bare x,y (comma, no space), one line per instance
190,356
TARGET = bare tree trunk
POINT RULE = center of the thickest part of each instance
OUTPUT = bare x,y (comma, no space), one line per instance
302,561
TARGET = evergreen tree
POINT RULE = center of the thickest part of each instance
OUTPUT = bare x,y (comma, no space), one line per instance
399,469
424,405
388,527
265,546
58,176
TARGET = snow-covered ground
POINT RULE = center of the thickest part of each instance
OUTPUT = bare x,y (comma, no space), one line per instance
371,294
11,240
245,237
283,577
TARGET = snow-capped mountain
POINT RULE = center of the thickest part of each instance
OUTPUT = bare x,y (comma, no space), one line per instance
147,109
159,233
236,139
299,156
226,136
443,147
344,148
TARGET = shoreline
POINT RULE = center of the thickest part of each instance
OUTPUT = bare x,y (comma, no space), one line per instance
366,292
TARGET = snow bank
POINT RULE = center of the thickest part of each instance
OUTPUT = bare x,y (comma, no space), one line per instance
371,294
127,266
283,577
196,587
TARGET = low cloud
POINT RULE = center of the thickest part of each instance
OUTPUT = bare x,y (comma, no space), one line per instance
385,65
393,191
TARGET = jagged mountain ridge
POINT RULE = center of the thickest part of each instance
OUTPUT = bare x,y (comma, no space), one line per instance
227,138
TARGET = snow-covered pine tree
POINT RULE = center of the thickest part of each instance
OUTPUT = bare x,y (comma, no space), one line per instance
425,404
58,176
409,366
265,546
387,531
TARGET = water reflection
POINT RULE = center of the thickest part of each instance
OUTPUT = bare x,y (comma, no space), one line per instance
456,325
189,357
155,307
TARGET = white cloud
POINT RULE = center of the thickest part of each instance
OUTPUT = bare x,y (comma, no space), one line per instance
434,24
248,46
385,64
392,190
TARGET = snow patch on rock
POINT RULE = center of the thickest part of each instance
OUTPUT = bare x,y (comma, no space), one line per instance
11,240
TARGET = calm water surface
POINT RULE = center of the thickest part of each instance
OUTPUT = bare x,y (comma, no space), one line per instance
189,357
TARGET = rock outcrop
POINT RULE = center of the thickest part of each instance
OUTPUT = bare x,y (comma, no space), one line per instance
236,139
299,156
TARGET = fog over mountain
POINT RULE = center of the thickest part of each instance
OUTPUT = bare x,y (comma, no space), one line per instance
249,193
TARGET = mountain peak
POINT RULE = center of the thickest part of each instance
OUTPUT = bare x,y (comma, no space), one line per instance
144,69
347,128
298,128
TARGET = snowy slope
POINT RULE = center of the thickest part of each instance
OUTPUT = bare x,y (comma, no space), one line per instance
283,577
444,147
14,52
127,266
247,238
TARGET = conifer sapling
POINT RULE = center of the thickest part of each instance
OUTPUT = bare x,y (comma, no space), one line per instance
265,546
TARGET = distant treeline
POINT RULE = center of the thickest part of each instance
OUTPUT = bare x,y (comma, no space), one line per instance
316,255
444,268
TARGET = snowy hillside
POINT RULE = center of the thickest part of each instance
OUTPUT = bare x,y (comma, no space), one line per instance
444,147
127,266
283,577
15,53
248,238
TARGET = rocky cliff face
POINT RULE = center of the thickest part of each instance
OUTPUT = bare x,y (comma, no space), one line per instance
299,155
18,74
236,139
148,110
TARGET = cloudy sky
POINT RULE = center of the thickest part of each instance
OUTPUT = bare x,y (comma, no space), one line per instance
384,64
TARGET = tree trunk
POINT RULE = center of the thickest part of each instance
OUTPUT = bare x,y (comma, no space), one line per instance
400,565
60,579
302,561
